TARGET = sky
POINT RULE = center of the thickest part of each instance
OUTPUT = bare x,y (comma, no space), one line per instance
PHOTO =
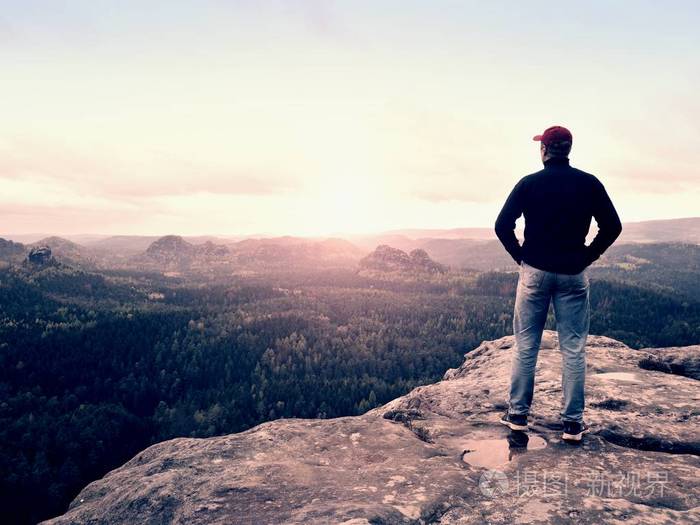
330,117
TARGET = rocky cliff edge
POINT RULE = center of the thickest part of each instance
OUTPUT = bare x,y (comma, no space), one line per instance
439,455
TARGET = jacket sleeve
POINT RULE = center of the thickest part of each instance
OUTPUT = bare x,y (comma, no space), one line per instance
609,225
505,223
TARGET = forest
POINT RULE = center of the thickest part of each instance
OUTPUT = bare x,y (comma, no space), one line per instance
96,366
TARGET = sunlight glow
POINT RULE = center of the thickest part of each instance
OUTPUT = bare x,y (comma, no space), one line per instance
234,119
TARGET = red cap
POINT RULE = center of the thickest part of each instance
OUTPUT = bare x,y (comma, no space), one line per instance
554,134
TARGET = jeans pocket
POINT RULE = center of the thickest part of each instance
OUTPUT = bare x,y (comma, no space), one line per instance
530,276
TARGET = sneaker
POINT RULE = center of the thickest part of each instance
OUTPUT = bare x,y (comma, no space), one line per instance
514,421
574,431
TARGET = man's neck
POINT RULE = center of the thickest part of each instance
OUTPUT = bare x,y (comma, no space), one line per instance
549,161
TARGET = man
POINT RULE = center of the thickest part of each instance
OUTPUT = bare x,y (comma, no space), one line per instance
558,203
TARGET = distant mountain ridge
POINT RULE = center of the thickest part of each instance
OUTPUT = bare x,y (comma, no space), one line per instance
665,230
11,251
480,251
662,230
279,252
170,246
65,249
173,252
387,259
686,229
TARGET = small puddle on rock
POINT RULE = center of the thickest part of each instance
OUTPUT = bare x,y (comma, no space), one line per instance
491,453
618,376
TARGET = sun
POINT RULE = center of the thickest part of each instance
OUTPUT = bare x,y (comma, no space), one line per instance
348,204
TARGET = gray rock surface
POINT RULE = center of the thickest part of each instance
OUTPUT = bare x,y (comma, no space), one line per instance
438,455
681,360
40,255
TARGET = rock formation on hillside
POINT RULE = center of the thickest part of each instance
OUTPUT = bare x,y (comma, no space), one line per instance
421,259
438,455
64,250
40,255
387,259
170,247
172,251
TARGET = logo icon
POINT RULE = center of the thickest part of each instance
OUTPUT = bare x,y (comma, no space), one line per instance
493,483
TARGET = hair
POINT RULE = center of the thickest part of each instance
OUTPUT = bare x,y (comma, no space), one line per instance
559,149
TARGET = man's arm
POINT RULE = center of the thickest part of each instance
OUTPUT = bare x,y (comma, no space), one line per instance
609,225
505,223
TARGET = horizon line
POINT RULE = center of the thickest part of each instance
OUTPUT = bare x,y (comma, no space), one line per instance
43,235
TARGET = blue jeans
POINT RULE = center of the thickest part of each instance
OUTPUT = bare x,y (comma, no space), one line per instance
570,294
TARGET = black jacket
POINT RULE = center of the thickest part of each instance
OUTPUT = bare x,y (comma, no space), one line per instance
558,203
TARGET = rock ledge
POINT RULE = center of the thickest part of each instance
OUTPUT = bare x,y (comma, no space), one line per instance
439,455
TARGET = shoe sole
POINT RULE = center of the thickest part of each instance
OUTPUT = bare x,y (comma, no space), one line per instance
513,426
574,437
